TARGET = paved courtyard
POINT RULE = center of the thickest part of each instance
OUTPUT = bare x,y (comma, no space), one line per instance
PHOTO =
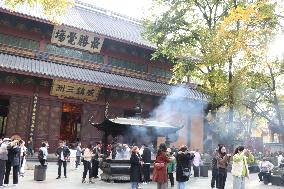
74,182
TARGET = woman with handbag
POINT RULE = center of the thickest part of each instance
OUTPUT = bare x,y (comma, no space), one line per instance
160,173
135,168
183,166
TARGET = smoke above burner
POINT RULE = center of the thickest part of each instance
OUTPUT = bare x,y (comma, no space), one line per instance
179,109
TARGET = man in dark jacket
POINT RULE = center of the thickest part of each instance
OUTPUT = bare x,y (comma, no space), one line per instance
146,158
63,154
95,160
13,161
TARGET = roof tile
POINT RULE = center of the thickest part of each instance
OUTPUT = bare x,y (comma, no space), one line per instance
93,19
53,70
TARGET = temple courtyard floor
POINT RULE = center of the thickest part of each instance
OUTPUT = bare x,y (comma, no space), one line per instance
73,181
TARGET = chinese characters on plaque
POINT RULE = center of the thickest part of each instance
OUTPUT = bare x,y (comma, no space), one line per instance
74,90
77,39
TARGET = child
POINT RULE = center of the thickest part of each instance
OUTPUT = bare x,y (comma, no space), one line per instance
171,168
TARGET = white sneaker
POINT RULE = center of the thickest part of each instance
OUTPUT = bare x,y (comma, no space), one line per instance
5,185
15,184
269,184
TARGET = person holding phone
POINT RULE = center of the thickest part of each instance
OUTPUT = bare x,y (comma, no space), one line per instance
13,161
242,157
223,159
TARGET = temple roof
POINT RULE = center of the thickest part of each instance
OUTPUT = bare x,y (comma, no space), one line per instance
90,18
53,70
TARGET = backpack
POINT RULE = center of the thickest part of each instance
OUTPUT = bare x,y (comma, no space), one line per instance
40,154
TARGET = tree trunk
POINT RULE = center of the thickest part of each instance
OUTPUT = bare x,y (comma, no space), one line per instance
231,95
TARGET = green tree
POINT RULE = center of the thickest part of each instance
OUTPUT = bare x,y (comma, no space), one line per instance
210,42
52,8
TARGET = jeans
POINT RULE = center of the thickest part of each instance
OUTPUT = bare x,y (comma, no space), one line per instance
222,177
171,177
87,167
181,185
134,185
60,163
15,173
238,182
2,170
214,178
78,159
196,171
265,176
146,172
42,162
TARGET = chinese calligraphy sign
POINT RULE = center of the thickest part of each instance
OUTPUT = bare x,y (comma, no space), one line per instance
77,39
74,90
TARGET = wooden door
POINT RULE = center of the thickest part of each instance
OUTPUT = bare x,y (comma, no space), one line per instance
90,134
48,123
19,117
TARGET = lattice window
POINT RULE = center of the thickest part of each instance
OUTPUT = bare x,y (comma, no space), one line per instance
127,64
19,42
73,53
161,72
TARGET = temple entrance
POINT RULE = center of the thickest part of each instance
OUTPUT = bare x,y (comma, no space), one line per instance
4,107
70,127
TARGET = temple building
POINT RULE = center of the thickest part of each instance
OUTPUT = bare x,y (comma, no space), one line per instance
54,77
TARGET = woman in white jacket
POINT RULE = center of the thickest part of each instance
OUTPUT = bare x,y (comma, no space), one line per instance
241,159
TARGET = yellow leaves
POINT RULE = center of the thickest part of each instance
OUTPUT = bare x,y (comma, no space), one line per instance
243,27
53,9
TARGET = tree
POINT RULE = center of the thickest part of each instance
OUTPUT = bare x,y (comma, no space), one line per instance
52,8
214,33
214,43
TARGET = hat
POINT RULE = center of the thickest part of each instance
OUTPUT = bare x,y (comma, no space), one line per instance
6,139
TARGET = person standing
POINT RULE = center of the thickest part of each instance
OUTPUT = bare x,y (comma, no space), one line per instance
280,160
242,157
43,153
183,168
23,152
30,148
13,161
223,159
73,152
214,179
135,168
160,173
78,154
63,154
146,158
87,156
95,160
171,167
3,158
196,163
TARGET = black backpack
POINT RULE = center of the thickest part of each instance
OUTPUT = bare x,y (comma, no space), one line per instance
40,154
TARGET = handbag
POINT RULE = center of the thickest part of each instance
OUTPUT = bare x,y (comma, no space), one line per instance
186,172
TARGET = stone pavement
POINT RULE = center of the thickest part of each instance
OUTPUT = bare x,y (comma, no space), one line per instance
74,181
